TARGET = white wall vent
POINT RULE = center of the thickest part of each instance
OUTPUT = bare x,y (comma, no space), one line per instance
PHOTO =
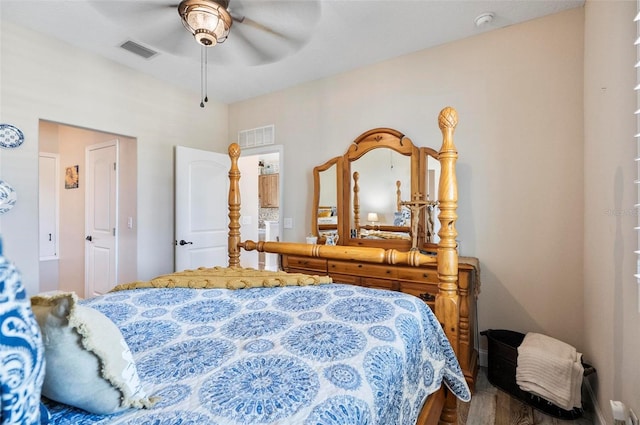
259,136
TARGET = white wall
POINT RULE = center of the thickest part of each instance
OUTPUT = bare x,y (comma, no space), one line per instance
518,92
612,320
45,79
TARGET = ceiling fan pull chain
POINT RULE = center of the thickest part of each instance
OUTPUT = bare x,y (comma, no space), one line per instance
203,73
202,76
206,66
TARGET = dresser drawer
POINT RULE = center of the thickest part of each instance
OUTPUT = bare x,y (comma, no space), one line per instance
318,265
367,282
418,274
362,269
345,278
372,282
426,292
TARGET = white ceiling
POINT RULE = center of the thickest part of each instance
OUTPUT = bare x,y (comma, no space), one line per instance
333,35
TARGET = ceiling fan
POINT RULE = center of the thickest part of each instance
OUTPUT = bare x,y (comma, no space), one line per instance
259,31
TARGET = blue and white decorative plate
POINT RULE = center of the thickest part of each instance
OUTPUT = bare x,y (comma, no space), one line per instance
8,197
10,136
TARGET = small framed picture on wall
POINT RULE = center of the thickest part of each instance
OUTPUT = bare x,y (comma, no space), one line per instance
71,179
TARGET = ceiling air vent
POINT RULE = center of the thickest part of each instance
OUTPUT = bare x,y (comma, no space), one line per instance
138,49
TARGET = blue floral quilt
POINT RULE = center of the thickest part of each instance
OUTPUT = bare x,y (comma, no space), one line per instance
330,354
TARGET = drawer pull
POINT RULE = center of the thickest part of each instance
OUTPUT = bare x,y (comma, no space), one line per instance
427,297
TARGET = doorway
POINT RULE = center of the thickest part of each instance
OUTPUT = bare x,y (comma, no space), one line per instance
198,236
101,215
268,163
66,271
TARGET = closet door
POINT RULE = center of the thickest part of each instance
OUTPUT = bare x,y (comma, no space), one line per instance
48,205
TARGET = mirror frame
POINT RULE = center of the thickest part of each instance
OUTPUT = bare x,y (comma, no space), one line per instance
377,138
315,227
422,173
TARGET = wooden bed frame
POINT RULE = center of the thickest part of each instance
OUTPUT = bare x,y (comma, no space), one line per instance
440,407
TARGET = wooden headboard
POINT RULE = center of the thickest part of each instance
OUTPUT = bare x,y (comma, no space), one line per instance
447,307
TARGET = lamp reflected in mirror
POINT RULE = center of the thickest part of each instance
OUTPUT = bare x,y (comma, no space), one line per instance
372,218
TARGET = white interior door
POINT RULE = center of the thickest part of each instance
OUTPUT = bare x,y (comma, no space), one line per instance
201,208
48,205
101,218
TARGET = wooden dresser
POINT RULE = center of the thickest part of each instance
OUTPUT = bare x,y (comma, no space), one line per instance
419,281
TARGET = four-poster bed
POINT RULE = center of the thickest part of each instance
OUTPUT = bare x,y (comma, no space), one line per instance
453,311
229,345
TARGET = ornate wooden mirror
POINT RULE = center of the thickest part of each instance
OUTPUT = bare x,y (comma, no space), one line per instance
374,187
379,163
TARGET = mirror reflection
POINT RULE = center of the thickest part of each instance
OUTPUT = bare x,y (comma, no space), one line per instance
431,223
381,179
327,200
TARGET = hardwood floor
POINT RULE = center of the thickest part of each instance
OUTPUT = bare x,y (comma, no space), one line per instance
491,406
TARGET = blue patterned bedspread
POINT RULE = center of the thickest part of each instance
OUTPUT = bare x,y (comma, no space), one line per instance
328,354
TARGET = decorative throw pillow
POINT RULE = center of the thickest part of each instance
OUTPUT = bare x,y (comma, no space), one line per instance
21,353
88,362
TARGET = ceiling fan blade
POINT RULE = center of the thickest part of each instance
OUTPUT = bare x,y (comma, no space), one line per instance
264,31
155,23
247,52
177,41
138,16
271,30
257,25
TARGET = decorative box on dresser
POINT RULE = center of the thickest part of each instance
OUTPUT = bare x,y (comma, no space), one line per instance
419,281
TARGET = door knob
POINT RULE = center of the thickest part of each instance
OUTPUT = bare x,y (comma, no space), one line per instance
183,242
89,238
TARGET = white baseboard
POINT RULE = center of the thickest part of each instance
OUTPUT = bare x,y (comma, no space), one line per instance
483,357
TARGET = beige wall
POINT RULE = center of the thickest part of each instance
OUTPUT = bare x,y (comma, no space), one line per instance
518,92
44,79
611,320
536,175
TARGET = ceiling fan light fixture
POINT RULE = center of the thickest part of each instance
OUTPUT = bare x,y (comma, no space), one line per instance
208,20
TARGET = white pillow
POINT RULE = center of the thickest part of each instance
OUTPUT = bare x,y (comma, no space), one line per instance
88,362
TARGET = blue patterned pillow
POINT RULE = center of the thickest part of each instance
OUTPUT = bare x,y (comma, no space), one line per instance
21,353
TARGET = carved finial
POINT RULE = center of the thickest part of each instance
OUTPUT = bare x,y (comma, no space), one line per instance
448,118
234,150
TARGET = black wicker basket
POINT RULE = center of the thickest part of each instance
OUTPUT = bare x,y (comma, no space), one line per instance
503,360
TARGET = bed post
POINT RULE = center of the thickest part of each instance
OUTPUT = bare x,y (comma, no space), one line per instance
356,204
447,303
234,206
